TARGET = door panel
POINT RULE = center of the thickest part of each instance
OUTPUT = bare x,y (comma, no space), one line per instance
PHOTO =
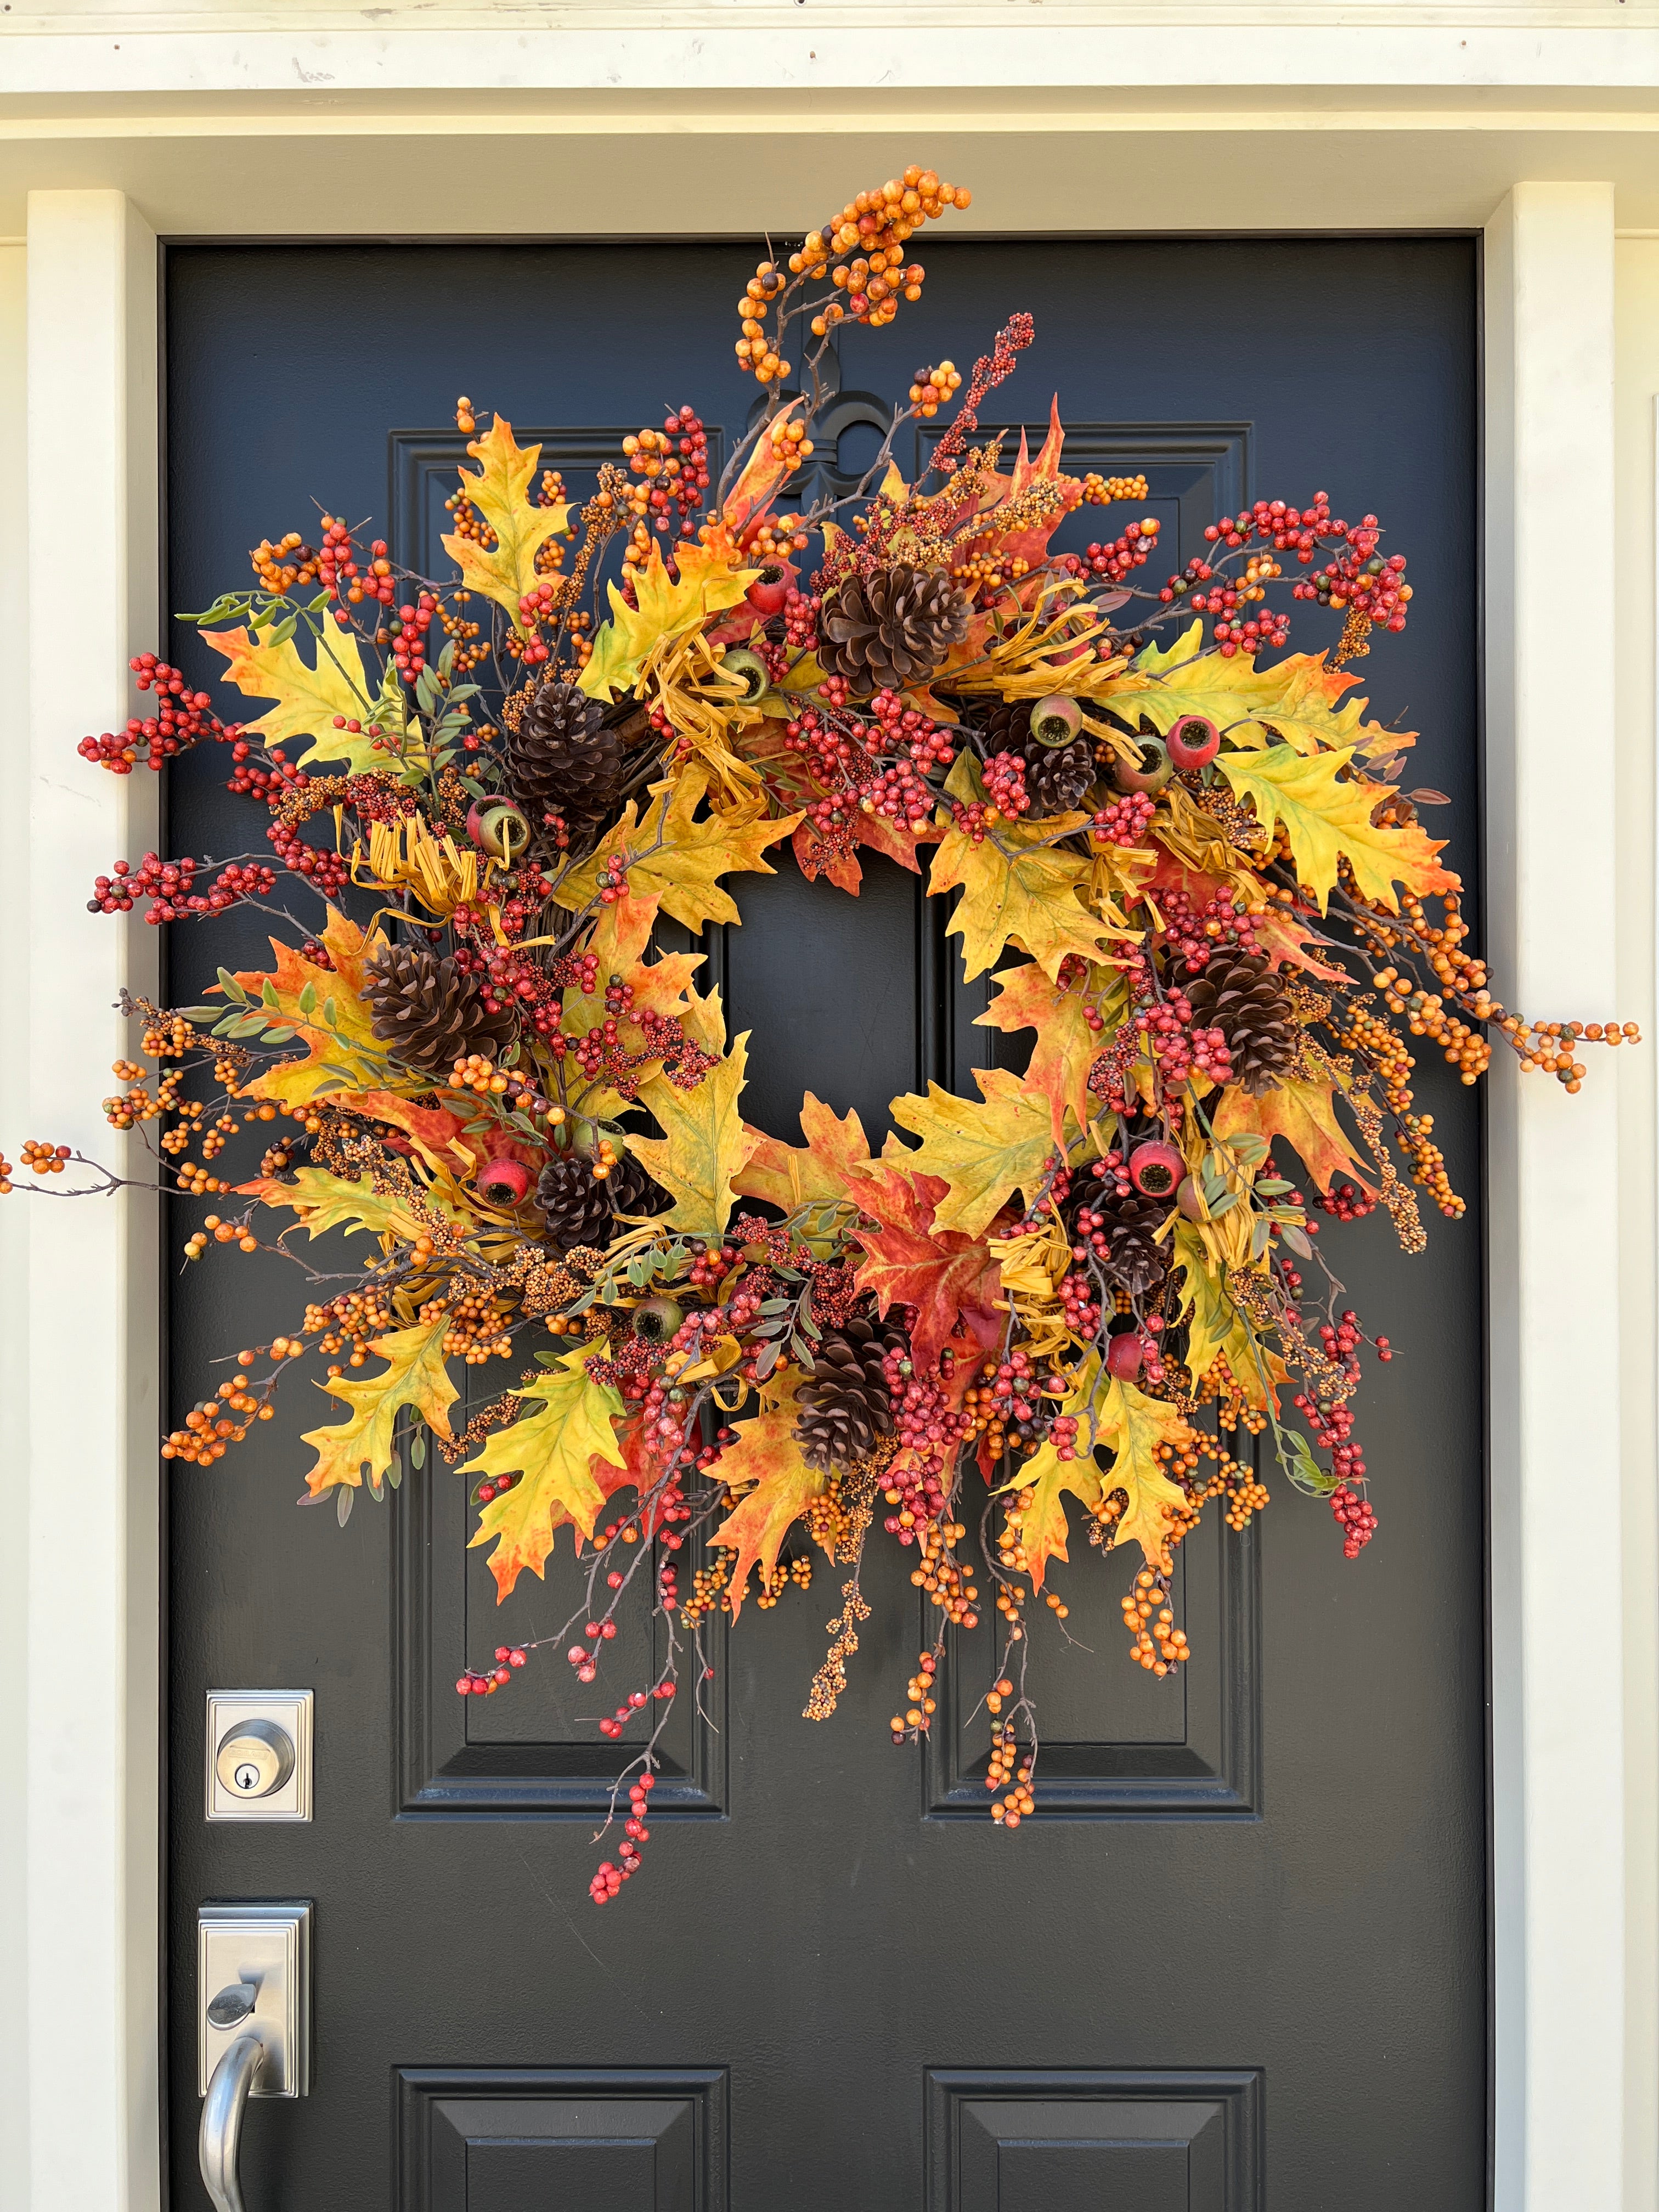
1238,1959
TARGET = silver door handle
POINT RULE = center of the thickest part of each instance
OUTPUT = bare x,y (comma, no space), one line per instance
222,2112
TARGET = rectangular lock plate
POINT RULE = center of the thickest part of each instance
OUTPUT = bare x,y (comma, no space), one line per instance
265,1774
269,1944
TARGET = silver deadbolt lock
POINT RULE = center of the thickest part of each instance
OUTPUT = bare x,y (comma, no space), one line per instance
258,1755
255,1758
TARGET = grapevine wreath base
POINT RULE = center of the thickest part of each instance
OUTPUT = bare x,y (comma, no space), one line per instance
1066,1307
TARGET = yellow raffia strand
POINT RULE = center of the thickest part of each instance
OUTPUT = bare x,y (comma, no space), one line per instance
1033,1266
1019,665
406,856
705,706
1193,836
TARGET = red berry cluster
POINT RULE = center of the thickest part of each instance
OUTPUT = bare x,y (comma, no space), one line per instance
335,568
800,618
1194,933
680,476
1004,785
170,886
1124,822
907,732
1113,563
1355,1518
409,637
182,719
609,1879
328,872
1348,1202
473,1684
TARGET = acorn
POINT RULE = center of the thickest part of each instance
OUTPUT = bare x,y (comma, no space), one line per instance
750,670
655,1320
1150,773
1194,742
1055,721
1156,1170
504,1181
768,591
499,828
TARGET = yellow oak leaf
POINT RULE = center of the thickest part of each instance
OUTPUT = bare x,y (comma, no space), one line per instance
1066,1046
1215,1328
707,584
1037,1510
1028,895
323,1201
501,494
1306,715
815,1173
984,1149
1296,697
568,1428
307,699
764,1462
1304,1115
1324,819
1131,1425
676,859
704,1143
416,1375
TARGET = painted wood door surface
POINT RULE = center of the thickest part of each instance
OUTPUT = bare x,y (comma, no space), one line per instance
1238,1959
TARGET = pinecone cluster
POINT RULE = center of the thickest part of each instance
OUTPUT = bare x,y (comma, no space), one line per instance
846,1405
579,1207
1240,995
1056,776
566,756
428,1011
891,628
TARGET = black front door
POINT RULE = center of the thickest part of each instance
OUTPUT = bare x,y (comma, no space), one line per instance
1236,1960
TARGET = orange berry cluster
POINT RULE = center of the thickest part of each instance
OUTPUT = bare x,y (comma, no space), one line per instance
1104,491
288,561
938,1572
933,387
791,446
45,1159
1155,1642
1019,1803
215,1423
918,1716
797,1571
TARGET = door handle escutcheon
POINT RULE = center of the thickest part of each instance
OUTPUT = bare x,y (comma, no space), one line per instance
253,2025
220,2141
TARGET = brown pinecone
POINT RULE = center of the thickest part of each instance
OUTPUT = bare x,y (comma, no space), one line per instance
1133,1260
894,627
1239,994
1056,777
634,1189
575,1203
845,1405
429,1012
565,757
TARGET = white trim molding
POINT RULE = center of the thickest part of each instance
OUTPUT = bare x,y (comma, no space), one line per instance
1574,1778
93,1694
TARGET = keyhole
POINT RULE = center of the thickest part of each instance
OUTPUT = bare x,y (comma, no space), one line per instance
247,1776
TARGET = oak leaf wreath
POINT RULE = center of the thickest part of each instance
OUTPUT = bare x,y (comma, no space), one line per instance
1068,1306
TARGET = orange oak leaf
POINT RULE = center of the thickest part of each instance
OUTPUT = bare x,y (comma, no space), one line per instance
816,1172
415,1375
909,1260
815,859
324,1008
1304,1115
765,1463
1036,1510
570,1423
1287,941
1065,1045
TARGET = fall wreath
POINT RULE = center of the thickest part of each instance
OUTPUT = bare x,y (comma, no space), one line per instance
1071,1305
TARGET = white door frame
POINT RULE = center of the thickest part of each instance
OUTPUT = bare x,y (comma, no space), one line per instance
79,1347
